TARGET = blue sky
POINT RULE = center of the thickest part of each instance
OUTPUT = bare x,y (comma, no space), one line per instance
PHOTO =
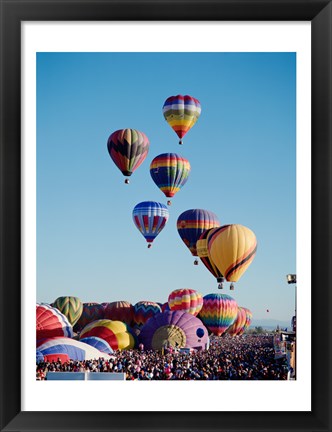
242,153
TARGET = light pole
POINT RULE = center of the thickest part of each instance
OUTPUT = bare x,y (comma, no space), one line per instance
291,279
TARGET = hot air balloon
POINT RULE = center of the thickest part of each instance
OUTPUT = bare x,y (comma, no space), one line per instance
143,310
98,343
150,217
50,322
128,149
70,306
91,312
165,307
176,329
118,334
170,172
187,300
119,311
248,321
203,253
232,249
181,113
219,311
192,223
76,350
239,322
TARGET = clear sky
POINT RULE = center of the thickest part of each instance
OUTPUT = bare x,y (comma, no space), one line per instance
242,152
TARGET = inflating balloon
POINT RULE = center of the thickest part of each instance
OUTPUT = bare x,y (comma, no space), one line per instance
239,322
50,322
150,218
248,321
143,310
185,300
119,311
181,113
91,312
98,343
170,172
128,149
118,334
174,329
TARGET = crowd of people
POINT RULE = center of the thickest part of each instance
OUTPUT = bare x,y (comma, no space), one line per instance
248,357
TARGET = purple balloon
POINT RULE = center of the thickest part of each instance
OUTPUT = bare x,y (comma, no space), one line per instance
176,329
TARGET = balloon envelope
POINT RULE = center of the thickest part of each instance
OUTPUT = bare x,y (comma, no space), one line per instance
192,223
248,321
91,312
75,350
181,113
232,249
239,322
51,322
70,306
128,149
119,311
170,172
98,343
175,329
143,310
150,217
204,255
118,334
219,311
186,300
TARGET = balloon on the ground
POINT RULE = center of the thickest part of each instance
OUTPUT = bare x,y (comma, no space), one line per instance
39,357
218,312
239,322
118,334
91,312
192,223
165,307
170,172
186,300
248,321
176,329
76,350
150,217
232,249
119,311
70,306
143,310
181,113
98,343
205,257
50,322
128,149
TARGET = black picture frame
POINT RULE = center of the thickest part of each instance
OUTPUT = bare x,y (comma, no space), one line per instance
13,12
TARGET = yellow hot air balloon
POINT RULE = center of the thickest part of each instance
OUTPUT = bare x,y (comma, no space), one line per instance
232,249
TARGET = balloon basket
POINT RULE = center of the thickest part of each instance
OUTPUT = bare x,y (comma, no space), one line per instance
169,202
127,181
196,262
149,245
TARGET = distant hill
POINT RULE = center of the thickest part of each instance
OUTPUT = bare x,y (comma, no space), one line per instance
270,323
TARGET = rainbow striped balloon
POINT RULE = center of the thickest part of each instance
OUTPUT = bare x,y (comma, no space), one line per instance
128,149
143,310
232,249
248,321
170,172
219,311
181,113
192,223
239,322
186,300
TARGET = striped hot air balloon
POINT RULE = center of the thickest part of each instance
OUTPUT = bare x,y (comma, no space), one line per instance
116,333
170,172
219,311
186,300
181,113
119,311
192,223
128,149
50,322
239,322
232,249
143,310
70,306
204,255
150,217
248,321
